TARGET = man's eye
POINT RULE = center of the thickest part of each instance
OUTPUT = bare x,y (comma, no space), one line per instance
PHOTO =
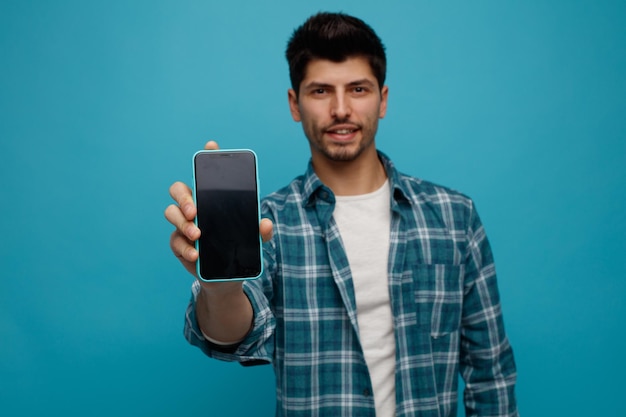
319,91
359,90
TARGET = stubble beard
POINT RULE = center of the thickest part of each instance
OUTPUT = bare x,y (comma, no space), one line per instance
338,152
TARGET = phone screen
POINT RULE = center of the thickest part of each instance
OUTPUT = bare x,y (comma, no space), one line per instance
227,203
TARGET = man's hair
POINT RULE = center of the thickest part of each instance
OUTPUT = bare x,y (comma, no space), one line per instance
335,37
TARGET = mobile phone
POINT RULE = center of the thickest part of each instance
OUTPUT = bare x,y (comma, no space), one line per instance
226,194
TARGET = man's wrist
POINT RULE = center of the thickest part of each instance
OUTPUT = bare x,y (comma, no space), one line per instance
211,290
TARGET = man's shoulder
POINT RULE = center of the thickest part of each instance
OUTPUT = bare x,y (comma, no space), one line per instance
290,193
422,191
434,206
418,190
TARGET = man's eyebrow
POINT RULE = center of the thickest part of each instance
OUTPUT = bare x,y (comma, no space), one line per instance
363,81
318,84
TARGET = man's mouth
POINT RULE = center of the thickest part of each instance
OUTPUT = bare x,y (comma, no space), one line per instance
342,135
342,131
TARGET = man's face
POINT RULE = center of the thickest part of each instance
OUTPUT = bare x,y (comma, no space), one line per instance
339,104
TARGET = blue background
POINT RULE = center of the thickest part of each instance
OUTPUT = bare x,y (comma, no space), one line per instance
521,105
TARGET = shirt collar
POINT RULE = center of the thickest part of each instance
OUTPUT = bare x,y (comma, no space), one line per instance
313,188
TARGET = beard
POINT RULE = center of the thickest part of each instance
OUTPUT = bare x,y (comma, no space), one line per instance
337,151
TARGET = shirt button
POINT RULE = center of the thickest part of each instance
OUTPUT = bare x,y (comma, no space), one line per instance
367,392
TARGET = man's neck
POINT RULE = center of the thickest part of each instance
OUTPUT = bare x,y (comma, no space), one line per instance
363,175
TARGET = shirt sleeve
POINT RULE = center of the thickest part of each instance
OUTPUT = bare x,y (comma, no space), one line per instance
486,358
258,346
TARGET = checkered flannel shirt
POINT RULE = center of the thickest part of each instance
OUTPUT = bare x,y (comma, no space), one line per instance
444,299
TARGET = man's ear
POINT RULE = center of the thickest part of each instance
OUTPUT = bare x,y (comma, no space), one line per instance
294,108
383,102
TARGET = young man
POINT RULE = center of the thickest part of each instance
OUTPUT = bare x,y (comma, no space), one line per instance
379,288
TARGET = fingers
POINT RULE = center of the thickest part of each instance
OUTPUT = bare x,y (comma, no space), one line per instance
186,227
184,251
266,228
182,195
181,216
183,247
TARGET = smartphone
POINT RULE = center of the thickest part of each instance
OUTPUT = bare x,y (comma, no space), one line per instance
226,194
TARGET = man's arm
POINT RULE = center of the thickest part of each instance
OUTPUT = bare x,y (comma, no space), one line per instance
487,362
224,312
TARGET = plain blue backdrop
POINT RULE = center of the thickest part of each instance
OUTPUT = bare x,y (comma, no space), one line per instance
521,105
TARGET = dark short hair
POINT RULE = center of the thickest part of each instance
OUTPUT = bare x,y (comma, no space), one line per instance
335,37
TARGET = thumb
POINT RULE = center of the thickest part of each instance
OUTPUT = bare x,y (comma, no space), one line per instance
266,228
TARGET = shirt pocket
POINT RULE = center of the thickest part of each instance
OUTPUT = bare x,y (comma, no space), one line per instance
439,297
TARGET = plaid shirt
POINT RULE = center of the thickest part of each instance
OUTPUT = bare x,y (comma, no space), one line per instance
444,298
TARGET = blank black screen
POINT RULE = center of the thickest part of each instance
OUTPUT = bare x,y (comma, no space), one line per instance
228,217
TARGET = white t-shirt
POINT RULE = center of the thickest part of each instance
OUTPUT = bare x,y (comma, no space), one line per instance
364,223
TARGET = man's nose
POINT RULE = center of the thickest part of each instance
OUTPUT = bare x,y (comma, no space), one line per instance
340,108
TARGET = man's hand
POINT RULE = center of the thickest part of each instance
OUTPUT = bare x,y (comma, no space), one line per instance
182,214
